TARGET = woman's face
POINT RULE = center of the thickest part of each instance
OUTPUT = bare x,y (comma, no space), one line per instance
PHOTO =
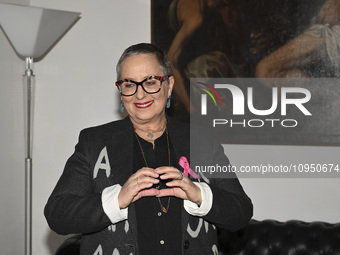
144,108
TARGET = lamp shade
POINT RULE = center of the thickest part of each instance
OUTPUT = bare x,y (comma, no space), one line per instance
33,30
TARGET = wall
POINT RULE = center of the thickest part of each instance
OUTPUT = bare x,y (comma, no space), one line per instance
75,89
280,198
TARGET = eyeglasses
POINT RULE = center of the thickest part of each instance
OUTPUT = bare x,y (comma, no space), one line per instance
150,85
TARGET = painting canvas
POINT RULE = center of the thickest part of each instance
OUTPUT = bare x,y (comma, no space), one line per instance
264,39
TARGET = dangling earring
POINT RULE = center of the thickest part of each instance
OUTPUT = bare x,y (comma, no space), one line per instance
121,106
169,102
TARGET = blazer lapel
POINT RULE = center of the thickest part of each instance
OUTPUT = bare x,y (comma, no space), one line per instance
180,138
121,151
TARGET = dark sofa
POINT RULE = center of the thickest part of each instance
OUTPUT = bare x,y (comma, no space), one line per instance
268,237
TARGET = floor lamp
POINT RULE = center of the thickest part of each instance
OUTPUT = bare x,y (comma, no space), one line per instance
32,31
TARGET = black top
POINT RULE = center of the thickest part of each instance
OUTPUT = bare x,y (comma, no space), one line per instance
158,232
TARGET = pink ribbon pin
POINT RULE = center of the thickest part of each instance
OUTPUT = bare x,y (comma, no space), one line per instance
183,162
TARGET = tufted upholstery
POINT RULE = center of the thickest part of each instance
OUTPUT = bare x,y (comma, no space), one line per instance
268,237
70,246
293,237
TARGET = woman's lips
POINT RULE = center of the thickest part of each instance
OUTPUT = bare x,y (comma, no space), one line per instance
144,104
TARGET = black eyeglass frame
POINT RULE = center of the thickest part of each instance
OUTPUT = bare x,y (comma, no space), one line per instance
160,78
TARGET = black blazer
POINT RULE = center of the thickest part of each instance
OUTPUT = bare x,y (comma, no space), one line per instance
104,157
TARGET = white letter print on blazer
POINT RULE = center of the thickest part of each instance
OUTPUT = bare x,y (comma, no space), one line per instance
102,163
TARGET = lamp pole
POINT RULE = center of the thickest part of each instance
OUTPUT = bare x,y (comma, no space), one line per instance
29,80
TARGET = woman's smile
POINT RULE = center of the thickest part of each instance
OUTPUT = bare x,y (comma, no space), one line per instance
144,104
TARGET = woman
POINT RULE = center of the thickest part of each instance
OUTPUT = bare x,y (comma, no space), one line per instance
124,189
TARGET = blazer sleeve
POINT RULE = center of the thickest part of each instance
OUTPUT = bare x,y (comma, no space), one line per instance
73,207
231,208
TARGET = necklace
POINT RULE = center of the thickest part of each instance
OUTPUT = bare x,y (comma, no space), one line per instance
165,210
150,132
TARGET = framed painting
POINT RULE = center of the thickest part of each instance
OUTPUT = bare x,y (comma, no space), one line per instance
266,45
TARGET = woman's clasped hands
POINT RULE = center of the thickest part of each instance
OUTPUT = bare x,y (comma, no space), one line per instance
141,184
